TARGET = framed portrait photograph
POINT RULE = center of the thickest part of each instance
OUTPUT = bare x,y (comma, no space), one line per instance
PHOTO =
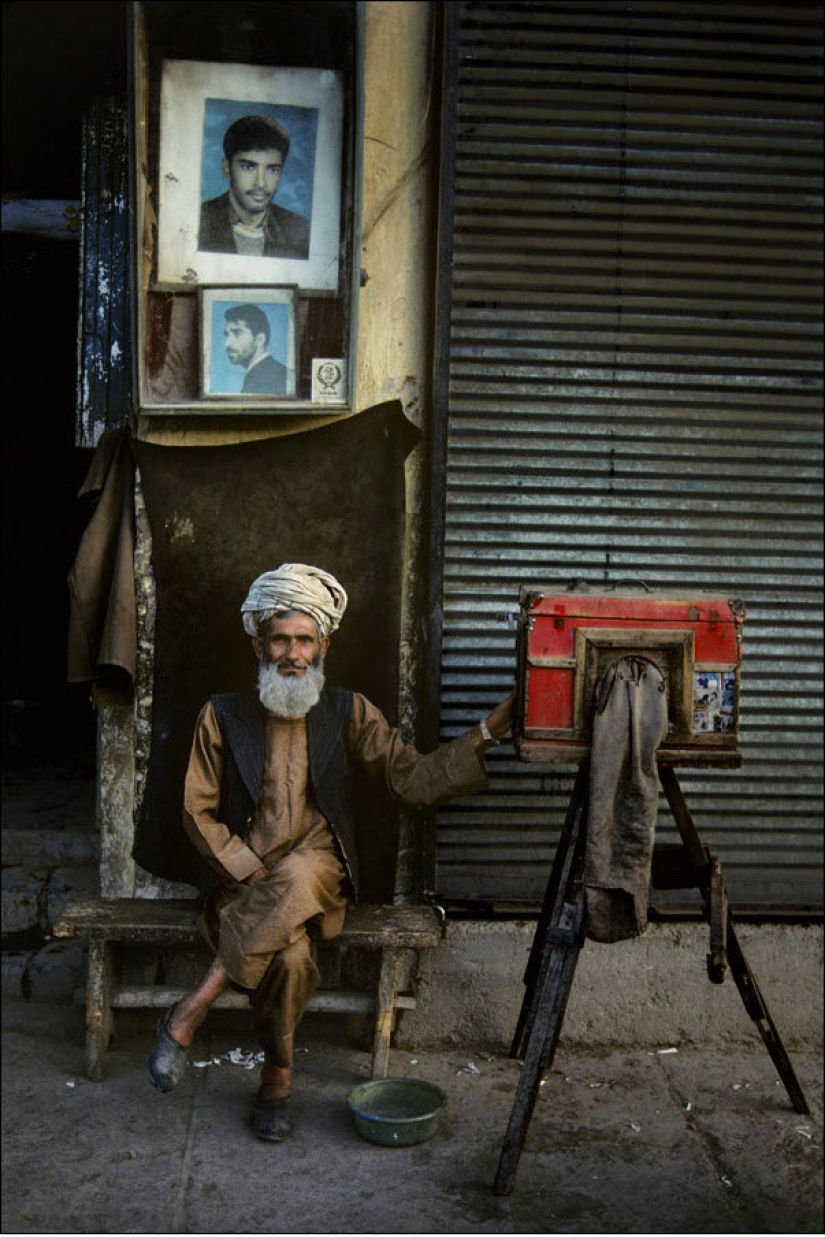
249,184
247,344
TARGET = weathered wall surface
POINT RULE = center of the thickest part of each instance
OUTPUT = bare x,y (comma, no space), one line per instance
651,992
398,229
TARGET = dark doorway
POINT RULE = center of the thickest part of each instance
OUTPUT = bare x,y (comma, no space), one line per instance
43,719
56,59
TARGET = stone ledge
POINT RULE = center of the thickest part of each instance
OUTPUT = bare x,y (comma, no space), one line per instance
32,899
52,973
50,848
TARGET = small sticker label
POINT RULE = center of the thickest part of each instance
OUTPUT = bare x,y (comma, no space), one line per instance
329,380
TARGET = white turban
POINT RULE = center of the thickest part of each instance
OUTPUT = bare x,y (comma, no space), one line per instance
295,586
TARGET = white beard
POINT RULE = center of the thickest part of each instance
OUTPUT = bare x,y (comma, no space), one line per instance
289,695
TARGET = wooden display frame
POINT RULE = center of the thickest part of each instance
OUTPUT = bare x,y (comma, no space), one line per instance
280,57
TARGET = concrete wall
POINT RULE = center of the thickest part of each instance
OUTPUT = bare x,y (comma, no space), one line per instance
652,992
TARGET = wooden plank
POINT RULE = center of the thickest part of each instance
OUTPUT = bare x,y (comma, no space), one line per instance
544,752
414,927
323,1001
175,919
135,919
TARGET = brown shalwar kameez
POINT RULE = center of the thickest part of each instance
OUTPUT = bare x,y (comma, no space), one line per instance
264,933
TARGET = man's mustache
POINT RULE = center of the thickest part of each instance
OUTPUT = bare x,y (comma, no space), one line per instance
294,663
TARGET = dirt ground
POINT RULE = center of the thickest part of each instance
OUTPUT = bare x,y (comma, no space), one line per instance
693,1141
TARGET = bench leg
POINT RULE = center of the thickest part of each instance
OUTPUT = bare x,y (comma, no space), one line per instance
99,973
385,1010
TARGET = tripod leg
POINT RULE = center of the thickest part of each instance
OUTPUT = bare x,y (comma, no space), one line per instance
719,917
757,1009
684,821
752,998
542,1041
566,856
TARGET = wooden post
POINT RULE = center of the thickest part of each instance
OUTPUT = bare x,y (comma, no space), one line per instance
99,1022
385,1010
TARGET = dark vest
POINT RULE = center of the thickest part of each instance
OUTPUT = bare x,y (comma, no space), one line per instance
240,716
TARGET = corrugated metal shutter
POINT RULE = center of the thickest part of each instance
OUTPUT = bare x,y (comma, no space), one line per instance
635,390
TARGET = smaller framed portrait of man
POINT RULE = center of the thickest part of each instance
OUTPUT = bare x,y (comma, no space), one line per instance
249,175
248,344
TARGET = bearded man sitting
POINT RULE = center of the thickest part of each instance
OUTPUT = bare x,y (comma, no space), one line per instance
268,802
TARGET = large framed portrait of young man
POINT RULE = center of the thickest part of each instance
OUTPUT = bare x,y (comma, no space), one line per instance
249,185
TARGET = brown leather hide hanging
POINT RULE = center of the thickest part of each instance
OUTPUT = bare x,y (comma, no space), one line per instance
219,516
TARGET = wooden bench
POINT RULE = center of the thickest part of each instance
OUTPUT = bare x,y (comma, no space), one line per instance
108,923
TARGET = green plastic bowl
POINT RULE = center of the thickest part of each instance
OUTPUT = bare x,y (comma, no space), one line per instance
396,1112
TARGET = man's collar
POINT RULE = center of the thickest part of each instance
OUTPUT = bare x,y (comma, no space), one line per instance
257,360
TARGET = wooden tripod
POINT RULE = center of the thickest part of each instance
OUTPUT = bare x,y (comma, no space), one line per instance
559,938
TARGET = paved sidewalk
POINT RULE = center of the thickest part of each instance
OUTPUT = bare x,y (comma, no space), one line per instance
693,1141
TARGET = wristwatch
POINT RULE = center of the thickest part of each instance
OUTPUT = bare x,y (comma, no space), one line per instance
485,733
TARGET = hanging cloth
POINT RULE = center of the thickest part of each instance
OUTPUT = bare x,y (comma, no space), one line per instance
630,722
102,645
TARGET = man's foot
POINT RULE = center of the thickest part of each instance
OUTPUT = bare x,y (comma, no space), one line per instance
271,1119
185,1018
167,1060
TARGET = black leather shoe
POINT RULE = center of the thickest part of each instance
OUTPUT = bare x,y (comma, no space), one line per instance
167,1060
271,1121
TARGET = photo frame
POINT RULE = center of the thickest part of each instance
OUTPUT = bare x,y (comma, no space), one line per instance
248,348
300,236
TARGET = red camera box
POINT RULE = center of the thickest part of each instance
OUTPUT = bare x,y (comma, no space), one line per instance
567,640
